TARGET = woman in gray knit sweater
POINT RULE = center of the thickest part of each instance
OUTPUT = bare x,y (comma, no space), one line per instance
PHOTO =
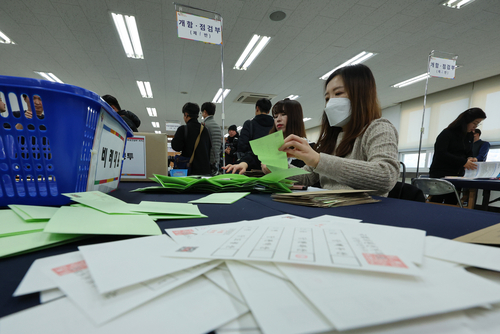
356,148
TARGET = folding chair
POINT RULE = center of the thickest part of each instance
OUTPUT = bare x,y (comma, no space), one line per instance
431,186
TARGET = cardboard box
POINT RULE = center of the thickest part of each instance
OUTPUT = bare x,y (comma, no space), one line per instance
145,155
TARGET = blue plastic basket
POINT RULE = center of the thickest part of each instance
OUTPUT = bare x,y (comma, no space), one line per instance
57,153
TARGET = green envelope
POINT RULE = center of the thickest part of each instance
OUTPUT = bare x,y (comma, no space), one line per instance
24,243
278,174
12,224
33,213
101,201
165,208
221,198
266,148
79,220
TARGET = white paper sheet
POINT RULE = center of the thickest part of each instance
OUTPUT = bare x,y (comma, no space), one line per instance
75,281
35,280
118,264
409,240
268,267
185,310
245,324
347,247
366,298
481,256
278,307
50,295
223,278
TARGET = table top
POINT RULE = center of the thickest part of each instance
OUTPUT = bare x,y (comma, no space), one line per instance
485,184
442,221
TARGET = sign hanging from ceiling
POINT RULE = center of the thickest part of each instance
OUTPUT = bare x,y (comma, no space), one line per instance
198,28
442,67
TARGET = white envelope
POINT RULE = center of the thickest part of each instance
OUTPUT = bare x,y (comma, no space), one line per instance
367,298
278,307
118,264
182,310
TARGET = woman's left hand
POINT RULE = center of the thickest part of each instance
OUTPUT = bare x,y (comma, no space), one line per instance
299,148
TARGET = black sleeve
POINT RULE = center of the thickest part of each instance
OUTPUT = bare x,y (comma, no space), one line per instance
178,140
243,141
441,150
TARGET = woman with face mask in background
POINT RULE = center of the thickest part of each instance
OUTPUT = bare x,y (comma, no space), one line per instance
356,148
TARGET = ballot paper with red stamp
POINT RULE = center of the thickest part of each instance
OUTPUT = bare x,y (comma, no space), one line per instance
354,247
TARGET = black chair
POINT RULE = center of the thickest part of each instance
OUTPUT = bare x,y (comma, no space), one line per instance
403,190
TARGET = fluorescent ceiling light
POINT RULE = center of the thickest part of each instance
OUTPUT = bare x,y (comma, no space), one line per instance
145,88
292,97
155,124
157,131
4,39
239,128
129,35
252,50
218,97
357,59
226,135
457,4
306,119
49,76
169,138
411,81
151,112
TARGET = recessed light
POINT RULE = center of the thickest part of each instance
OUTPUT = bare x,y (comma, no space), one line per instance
129,35
357,59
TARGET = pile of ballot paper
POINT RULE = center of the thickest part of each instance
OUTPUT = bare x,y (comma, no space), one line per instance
281,274
274,182
26,228
326,198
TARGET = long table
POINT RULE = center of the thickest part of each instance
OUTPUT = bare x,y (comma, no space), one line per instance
446,222
486,185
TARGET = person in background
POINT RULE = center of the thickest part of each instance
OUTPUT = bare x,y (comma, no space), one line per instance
231,145
129,117
252,129
208,112
453,150
3,108
356,148
480,148
185,137
39,112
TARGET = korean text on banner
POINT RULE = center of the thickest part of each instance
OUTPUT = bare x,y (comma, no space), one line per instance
199,28
442,67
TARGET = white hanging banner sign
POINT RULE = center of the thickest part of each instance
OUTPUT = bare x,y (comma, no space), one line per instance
198,28
171,126
442,67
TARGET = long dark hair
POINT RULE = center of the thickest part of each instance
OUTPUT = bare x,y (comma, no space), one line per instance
295,117
468,116
359,84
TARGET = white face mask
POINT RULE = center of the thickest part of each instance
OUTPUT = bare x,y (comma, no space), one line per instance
338,111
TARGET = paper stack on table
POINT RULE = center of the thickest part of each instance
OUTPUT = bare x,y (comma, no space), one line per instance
327,198
282,274
274,182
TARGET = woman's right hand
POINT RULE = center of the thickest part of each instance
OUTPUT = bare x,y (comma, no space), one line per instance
241,167
470,165
299,148
265,169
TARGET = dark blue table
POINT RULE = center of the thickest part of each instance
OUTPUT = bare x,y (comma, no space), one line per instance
486,185
442,221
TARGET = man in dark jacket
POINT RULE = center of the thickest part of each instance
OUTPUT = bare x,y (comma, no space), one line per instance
185,139
129,117
252,129
231,145
480,148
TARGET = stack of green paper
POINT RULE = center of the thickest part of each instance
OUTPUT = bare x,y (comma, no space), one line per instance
274,182
22,230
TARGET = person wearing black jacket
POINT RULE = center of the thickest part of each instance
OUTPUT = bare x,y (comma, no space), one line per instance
252,129
129,117
453,150
185,138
